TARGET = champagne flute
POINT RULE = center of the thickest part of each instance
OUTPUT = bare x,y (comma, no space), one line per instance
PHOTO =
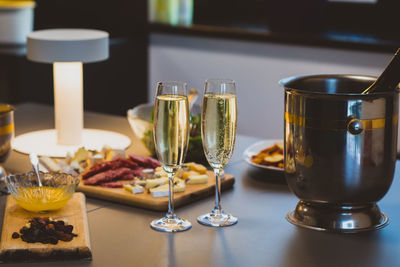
171,136
218,131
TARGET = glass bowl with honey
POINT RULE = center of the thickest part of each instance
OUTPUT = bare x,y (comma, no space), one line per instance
55,192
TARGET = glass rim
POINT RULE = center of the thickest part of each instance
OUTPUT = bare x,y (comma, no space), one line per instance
172,83
220,80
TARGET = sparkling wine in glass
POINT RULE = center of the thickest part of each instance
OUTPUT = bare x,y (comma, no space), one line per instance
171,135
218,131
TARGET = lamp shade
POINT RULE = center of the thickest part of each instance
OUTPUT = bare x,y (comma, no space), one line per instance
67,45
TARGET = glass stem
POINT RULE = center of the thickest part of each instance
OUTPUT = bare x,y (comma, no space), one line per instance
217,208
170,213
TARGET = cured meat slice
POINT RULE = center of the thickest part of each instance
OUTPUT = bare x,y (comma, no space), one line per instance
138,172
99,167
109,165
132,174
127,177
107,176
146,162
127,163
153,162
138,159
116,184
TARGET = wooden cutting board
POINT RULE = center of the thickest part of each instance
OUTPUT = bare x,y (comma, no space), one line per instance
16,250
146,200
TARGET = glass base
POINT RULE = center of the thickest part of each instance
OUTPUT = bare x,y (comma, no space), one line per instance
171,224
217,219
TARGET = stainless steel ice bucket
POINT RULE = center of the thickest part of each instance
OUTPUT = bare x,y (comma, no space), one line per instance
340,151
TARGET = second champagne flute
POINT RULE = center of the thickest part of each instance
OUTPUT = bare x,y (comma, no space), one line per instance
218,132
171,135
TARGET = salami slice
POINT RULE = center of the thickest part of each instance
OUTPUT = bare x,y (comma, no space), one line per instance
107,176
116,184
146,162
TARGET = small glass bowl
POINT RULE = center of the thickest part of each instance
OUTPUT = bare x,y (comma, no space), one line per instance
55,193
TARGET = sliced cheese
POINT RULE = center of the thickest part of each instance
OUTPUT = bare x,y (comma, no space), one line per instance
159,172
179,187
179,173
42,168
162,190
98,158
49,164
151,183
76,166
140,182
198,179
196,167
135,189
148,173
189,173
109,155
178,180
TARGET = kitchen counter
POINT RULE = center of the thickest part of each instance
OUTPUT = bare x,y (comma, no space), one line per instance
121,236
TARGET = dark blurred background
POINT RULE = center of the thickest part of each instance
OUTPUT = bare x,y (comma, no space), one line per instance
120,83
110,86
379,17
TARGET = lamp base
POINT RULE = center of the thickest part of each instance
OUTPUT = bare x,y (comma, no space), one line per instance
44,143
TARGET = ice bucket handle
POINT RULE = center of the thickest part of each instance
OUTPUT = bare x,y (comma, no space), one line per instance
355,126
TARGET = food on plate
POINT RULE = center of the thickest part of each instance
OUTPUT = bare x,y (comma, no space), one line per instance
146,162
196,167
163,190
122,173
270,156
45,230
116,184
110,165
138,174
111,173
151,183
197,179
50,164
135,188
156,183
187,174
80,161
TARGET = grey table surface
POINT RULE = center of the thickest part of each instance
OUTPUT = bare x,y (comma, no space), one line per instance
120,235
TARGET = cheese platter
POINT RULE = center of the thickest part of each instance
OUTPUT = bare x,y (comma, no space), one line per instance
135,180
193,192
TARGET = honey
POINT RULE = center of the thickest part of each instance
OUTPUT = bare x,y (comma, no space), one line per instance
41,199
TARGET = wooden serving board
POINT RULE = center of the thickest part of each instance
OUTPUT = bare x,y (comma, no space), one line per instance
16,250
146,200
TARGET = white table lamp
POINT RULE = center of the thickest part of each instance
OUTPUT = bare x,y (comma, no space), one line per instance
67,49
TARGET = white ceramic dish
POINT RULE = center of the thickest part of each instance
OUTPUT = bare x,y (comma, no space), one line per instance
256,148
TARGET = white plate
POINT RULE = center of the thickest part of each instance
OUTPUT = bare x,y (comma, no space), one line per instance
254,149
44,142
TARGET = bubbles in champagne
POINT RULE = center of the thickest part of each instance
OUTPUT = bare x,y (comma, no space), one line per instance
171,122
219,128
